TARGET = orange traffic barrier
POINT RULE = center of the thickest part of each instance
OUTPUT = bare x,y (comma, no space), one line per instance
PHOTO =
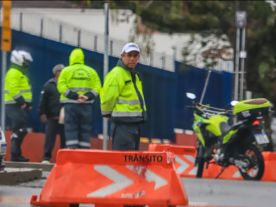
184,158
270,166
159,147
233,173
184,161
105,178
230,173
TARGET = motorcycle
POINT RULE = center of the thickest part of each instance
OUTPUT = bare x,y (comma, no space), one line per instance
220,144
3,150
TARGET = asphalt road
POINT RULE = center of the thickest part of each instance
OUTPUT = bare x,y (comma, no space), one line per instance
231,193
201,192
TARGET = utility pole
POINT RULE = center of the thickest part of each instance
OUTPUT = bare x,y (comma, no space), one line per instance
5,47
105,71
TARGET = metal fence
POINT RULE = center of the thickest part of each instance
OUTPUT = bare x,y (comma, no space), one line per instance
39,25
225,66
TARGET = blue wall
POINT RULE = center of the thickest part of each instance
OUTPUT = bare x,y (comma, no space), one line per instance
191,79
165,92
159,85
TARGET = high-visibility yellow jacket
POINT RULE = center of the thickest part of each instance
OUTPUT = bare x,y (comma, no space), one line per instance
78,79
122,96
17,87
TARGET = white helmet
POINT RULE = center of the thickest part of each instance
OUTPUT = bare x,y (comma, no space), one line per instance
19,56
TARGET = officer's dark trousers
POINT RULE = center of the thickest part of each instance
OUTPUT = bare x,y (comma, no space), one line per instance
125,136
77,125
19,127
51,130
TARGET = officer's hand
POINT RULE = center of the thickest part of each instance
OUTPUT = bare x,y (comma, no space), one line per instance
82,98
23,106
30,108
108,118
43,118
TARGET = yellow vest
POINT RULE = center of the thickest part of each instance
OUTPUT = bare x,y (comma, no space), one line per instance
17,85
120,96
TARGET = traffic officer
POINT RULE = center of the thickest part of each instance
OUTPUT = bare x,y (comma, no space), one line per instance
78,85
18,100
122,100
49,111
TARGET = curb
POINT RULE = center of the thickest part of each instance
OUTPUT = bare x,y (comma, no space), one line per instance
33,165
12,176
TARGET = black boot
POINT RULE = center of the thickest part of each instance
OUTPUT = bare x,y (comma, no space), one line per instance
16,153
19,158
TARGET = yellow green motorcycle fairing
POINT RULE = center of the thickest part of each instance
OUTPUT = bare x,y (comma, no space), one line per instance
213,125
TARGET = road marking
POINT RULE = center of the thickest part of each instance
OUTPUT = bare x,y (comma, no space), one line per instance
197,204
14,200
120,181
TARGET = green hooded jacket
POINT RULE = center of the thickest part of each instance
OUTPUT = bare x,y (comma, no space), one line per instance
78,79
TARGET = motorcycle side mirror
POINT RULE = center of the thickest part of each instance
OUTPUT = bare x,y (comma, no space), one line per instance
191,96
233,103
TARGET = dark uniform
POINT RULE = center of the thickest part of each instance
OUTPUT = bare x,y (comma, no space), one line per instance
17,94
51,106
74,80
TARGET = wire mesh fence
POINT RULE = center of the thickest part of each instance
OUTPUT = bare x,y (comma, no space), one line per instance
39,25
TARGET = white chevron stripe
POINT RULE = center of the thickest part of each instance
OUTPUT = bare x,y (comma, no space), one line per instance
183,165
149,175
252,173
190,158
237,174
120,181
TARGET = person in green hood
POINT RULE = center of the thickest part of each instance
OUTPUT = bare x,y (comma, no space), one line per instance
18,100
78,85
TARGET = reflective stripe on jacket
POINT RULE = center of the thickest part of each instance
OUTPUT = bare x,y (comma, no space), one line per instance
122,96
78,79
17,87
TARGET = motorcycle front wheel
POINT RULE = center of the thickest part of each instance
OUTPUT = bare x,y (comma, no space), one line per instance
200,168
255,160
200,160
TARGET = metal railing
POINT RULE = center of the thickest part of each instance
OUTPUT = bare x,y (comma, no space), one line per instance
39,25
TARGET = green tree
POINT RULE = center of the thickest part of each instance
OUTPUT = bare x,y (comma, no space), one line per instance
211,22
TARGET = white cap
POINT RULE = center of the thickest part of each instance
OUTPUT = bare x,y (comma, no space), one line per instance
130,47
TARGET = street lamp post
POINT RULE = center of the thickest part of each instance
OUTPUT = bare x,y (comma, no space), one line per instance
240,52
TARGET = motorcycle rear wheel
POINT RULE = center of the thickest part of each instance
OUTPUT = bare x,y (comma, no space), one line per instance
256,172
